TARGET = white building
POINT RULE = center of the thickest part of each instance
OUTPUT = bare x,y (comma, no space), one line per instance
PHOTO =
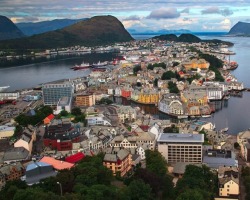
181,147
228,181
65,103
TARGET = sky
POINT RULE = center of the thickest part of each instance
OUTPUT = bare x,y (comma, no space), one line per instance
136,15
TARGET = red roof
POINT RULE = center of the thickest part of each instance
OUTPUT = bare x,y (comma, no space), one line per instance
75,158
144,127
50,117
57,164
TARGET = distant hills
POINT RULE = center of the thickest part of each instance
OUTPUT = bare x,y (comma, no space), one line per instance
240,29
31,28
162,31
188,38
99,30
182,38
8,30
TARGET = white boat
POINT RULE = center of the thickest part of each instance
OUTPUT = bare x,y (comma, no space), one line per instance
205,116
224,129
3,88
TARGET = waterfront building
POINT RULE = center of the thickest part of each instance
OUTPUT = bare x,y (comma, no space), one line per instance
171,104
228,181
195,64
145,96
61,135
233,85
181,147
243,138
120,162
213,92
52,92
196,103
85,99
9,95
126,91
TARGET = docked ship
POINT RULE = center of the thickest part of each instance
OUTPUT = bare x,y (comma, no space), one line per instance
99,64
81,66
3,88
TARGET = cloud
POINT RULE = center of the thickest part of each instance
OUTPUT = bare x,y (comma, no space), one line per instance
132,18
186,10
211,10
164,13
216,10
225,24
226,12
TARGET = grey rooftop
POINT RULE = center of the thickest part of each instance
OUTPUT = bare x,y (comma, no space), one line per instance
179,137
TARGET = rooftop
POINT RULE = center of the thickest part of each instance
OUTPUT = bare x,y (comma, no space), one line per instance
176,138
57,164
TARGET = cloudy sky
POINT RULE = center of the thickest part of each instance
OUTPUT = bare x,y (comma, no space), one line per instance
139,15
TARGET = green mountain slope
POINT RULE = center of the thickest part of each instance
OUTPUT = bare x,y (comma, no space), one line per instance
99,30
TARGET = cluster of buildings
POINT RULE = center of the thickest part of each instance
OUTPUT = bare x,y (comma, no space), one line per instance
123,133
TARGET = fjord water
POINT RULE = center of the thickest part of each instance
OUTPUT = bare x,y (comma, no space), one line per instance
31,75
234,113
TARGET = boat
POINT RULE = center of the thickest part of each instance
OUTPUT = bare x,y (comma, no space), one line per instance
82,66
99,64
205,116
224,129
3,88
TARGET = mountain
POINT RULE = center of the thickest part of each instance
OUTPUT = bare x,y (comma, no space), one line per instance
99,30
30,28
162,31
181,38
240,29
189,38
8,30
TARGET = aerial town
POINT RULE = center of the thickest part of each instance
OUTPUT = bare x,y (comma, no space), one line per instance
57,125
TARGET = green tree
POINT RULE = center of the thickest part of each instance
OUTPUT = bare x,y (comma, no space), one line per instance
64,113
137,190
156,82
136,69
168,75
156,163
76,111
35,193
190,195
173,87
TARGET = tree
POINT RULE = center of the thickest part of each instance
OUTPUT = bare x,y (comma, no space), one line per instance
173,87
156,82
64,113
136,69
190,195
137,190
76,111
105,101
155,163
35,193
168,75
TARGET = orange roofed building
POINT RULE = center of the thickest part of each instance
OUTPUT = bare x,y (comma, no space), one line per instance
196,63
57,164
48,119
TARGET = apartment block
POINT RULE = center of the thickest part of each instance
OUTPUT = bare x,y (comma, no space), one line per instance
181,147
